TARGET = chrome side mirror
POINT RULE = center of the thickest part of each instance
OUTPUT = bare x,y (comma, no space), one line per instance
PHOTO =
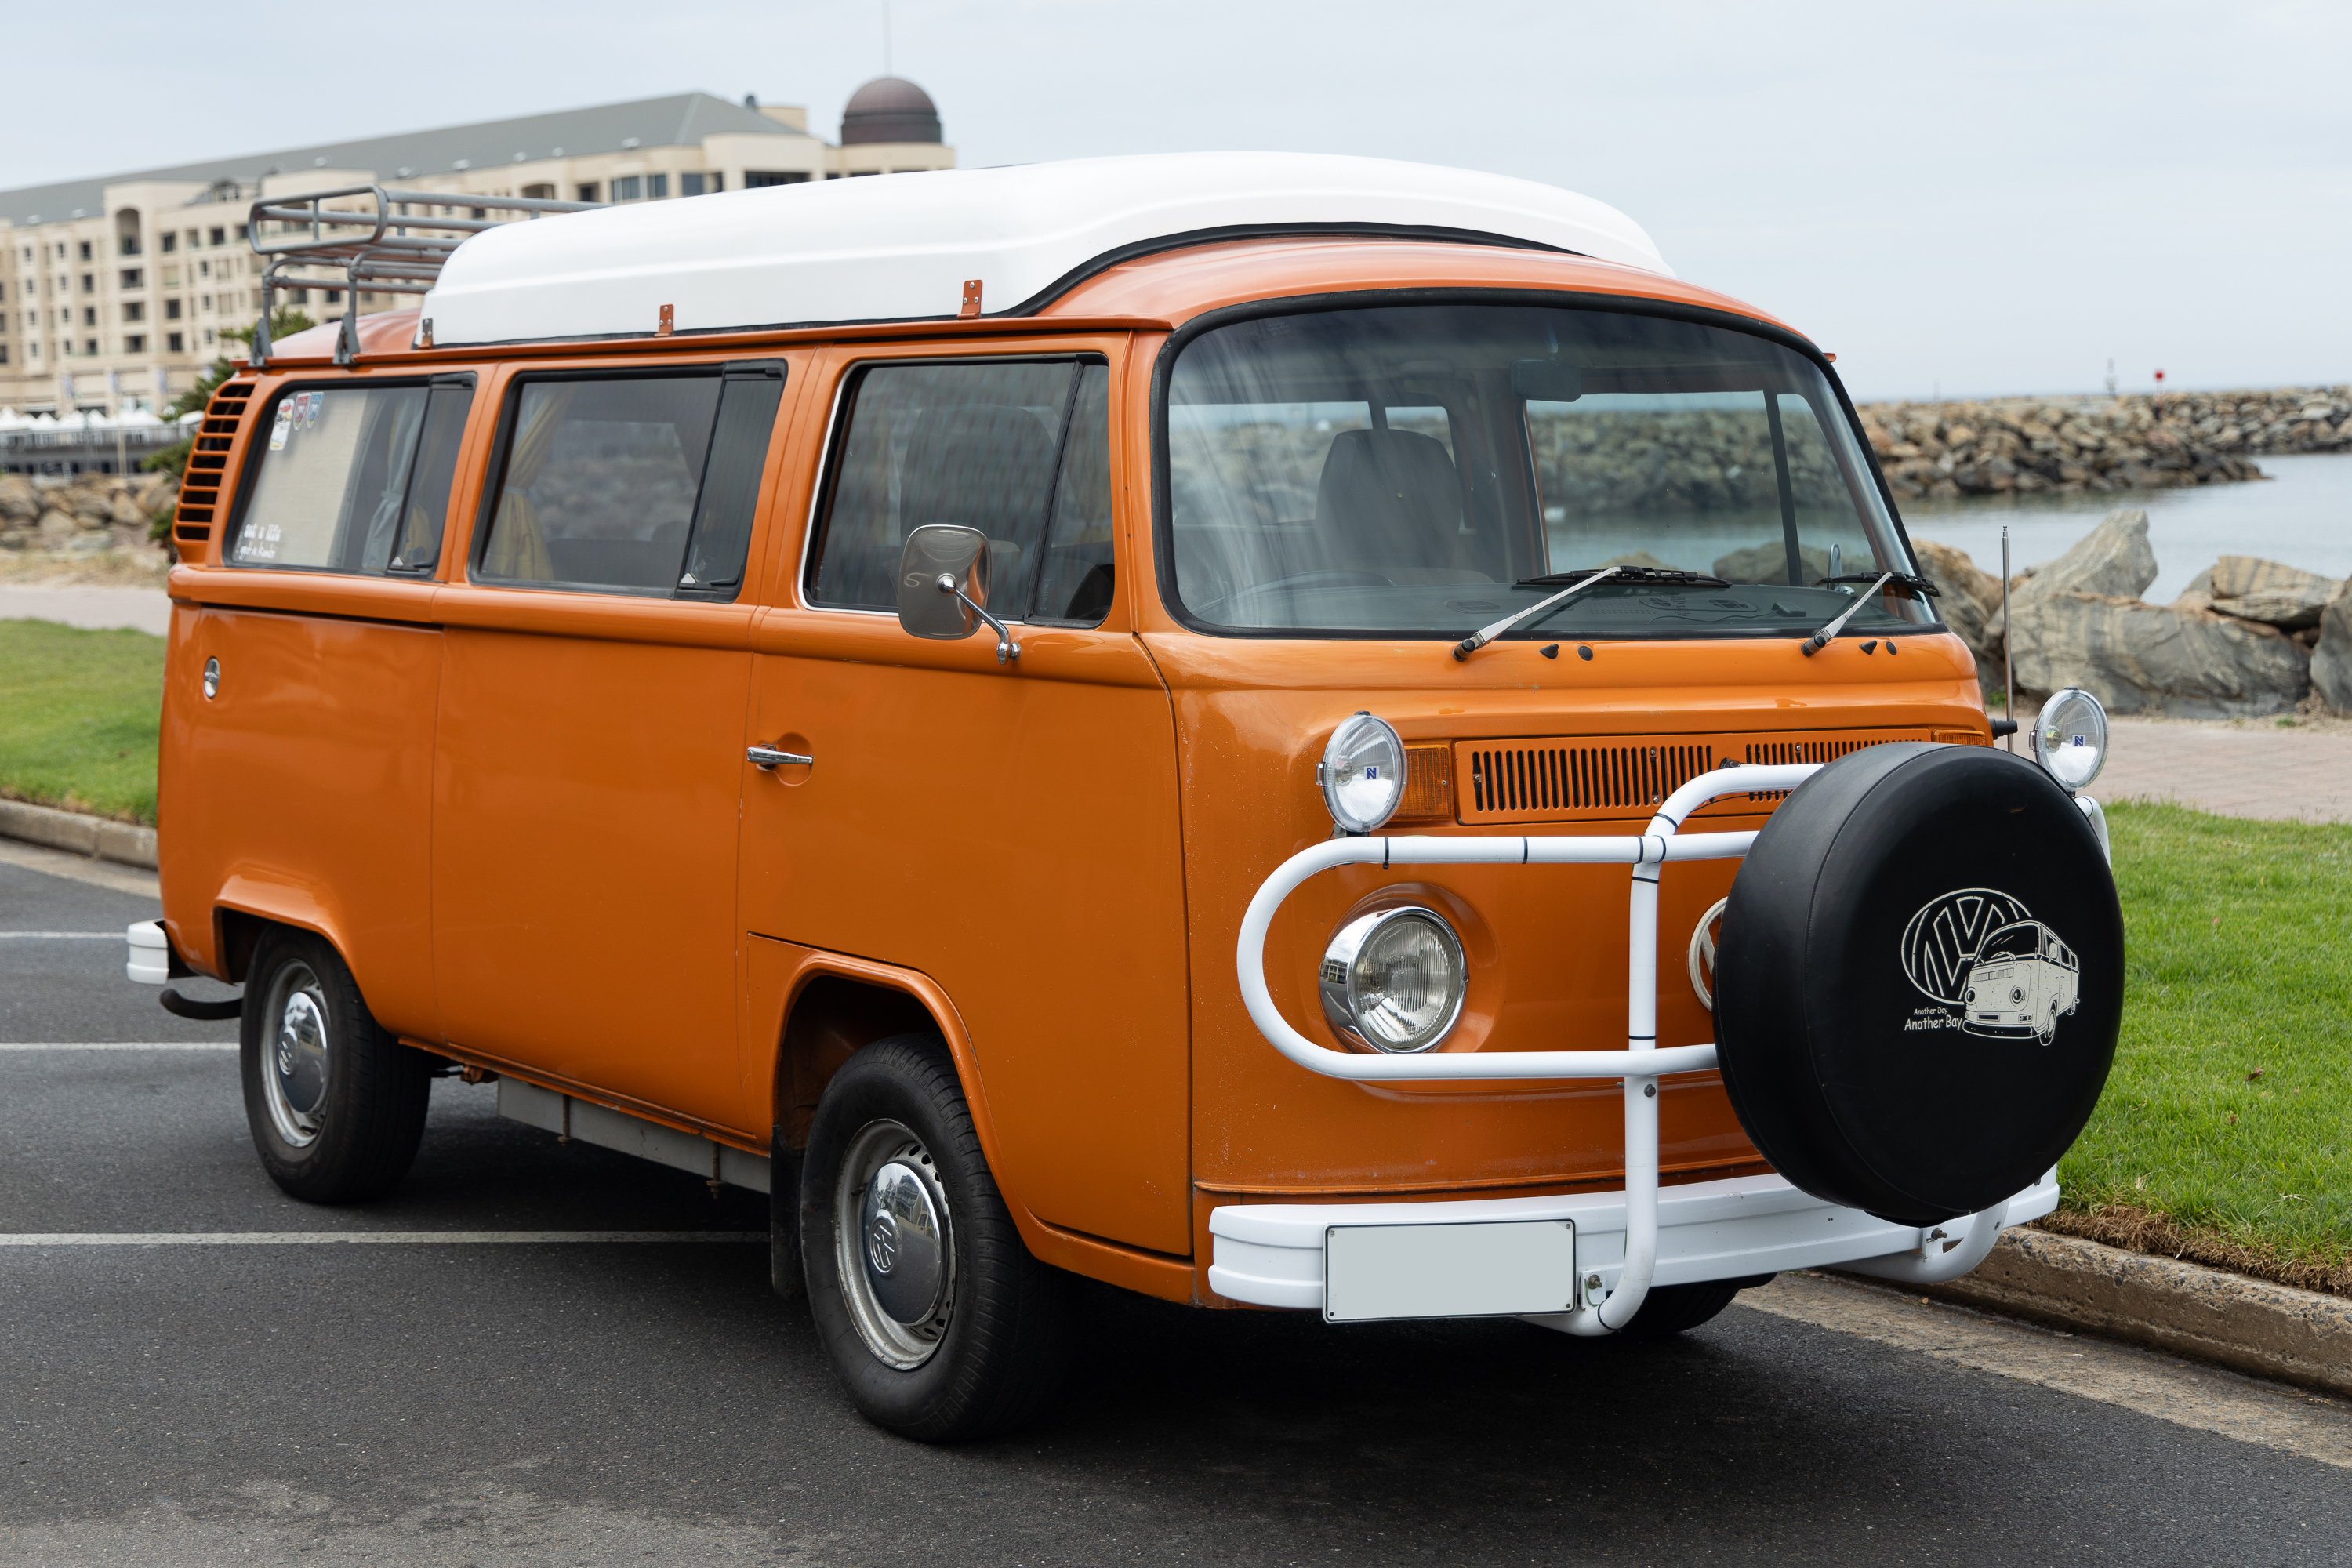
943,586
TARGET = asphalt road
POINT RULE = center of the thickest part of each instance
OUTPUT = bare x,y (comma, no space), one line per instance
640,1403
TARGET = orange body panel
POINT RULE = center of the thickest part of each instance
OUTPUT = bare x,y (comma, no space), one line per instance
1013,836
527,820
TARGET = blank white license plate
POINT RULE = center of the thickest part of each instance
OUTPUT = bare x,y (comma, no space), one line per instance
1487,1269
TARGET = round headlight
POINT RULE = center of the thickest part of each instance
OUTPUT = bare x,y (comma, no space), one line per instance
2069,738
1362,774
1395,979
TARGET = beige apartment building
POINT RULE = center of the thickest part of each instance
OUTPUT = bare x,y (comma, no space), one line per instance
120,289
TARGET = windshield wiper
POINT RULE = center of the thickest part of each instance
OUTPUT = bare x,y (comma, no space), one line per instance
1583,580
1820,640
1910,580
1627,575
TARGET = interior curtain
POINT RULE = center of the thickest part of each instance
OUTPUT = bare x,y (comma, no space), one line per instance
408,418
517,548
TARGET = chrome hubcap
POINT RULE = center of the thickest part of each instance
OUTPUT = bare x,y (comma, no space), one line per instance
295,1061
893,1246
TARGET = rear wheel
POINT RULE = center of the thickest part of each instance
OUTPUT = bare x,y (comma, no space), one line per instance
336,1105
939,1321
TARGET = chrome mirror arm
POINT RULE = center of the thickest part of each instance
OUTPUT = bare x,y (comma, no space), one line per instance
1006,648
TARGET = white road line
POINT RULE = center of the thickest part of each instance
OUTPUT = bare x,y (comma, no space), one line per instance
118,1046
2203,1398
365,1238
61,936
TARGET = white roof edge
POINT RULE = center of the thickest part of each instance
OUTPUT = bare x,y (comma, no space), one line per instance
899,247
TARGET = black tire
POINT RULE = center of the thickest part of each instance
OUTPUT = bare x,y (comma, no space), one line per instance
1677,1309
1853,1040
988,1354
352,1136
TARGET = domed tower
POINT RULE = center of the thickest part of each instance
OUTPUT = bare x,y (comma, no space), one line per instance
889,109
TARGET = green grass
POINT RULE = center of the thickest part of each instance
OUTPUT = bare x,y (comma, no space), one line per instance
80,714
2239,942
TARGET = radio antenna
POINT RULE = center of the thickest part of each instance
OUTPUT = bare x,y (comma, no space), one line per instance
2008,659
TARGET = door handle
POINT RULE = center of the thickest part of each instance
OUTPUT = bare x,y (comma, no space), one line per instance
768,757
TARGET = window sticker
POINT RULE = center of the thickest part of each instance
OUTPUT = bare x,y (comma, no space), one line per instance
284,425
258,543
312,402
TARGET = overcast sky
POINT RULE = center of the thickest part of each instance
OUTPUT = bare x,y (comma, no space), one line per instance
1981,198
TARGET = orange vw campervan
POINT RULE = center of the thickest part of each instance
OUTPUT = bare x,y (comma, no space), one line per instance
1280,732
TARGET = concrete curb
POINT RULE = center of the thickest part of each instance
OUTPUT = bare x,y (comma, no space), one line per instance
71,831
2251,1325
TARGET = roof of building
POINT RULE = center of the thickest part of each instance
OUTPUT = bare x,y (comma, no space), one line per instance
901,247
889,109
682,119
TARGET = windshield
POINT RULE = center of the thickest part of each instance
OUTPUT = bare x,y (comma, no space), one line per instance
1427,470
2011,942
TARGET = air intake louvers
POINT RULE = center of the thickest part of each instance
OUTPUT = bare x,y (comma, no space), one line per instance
1572,778
200,482
1560,777
1771,754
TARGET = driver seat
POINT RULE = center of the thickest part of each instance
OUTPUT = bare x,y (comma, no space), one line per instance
1389,498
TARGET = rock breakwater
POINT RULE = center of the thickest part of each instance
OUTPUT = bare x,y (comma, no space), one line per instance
81,515
2248,638
2024,445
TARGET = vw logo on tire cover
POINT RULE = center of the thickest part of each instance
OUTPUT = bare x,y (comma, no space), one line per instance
1920,981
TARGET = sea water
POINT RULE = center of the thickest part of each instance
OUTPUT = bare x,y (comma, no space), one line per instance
2301,515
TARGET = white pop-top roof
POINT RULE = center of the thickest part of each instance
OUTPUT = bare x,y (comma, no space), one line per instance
900,247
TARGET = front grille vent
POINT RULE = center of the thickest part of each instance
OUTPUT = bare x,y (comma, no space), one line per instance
1768,754
200,482
1585,778
1539,779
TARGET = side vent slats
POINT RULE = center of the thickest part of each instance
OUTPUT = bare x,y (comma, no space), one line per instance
1562,779
200,482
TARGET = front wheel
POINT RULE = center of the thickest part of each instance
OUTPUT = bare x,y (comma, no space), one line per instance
939,1321
336,1105
1678,1308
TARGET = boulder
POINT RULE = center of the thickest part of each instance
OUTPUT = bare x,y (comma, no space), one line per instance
2253,589
2112,560
2331,661
2138,658
1970,603
56,527
1770,563
18,503
89,505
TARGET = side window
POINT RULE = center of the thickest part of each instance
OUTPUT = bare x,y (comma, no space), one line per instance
1073,581
417,547
1017,448
354,478
641,485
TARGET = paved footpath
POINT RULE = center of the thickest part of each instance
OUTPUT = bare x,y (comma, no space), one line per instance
143,609
2302,772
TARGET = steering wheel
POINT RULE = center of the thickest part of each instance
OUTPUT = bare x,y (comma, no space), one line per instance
1325,579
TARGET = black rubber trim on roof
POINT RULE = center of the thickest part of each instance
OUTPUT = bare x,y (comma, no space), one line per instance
1163,369
1094,266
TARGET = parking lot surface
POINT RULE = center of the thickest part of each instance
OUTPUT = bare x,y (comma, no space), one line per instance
211,1398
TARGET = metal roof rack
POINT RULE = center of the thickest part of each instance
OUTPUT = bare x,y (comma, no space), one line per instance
396,244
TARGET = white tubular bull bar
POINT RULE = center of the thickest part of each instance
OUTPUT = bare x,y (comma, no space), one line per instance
1640,1064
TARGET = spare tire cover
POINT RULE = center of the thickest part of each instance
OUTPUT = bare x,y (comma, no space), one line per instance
1919,981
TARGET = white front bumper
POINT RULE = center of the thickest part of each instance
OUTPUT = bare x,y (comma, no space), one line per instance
1271,1255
